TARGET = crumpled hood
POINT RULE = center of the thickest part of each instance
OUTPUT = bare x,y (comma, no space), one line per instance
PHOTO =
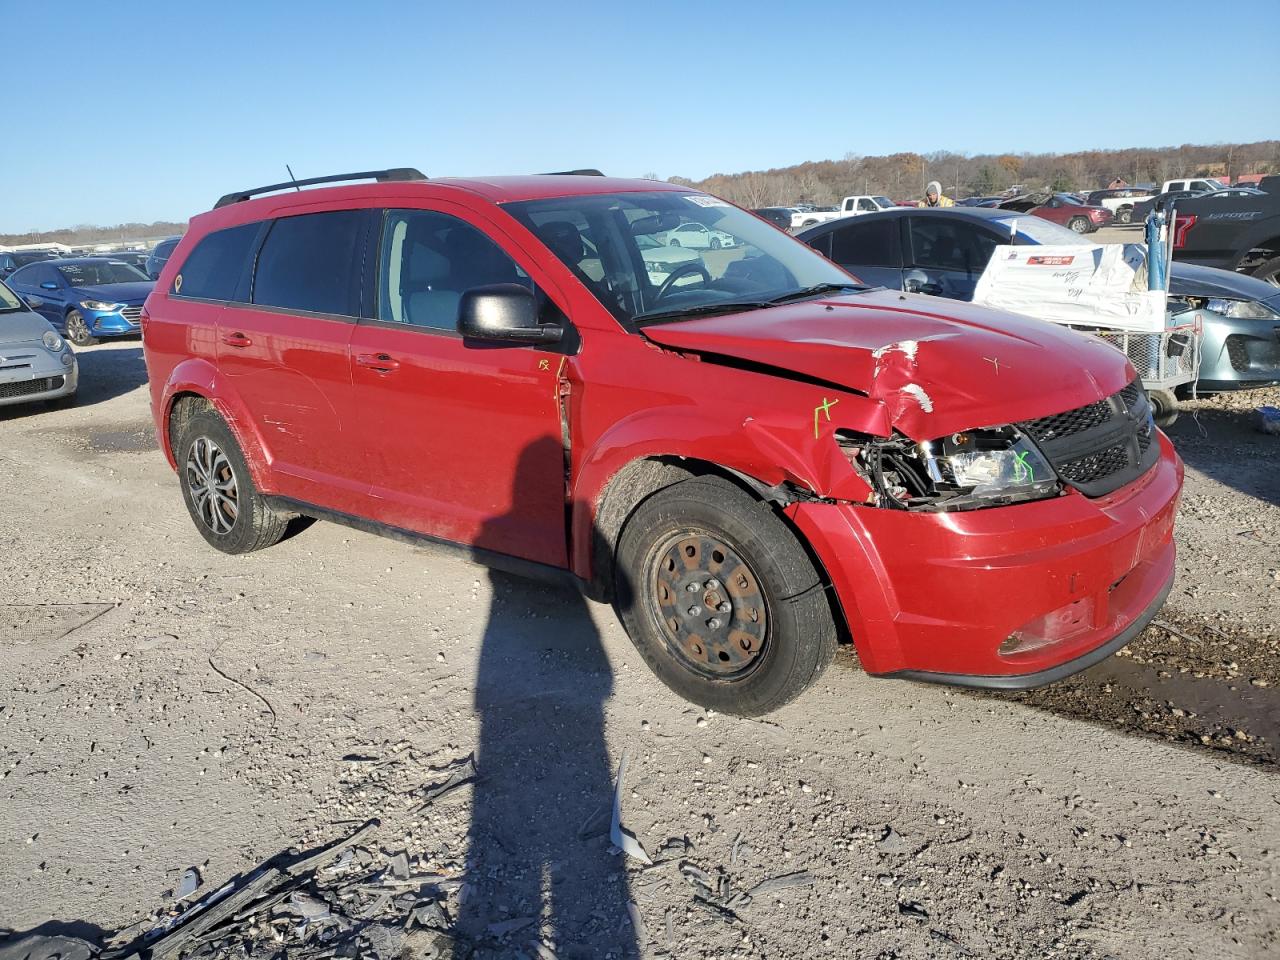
132,293
937,366
22,326
1190,280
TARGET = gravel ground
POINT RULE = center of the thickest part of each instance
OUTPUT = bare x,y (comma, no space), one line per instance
168,707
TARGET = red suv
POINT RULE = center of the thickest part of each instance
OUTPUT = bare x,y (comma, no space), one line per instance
749,454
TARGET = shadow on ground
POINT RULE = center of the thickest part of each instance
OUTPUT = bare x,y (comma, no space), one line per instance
105,373
1225,444
1211,688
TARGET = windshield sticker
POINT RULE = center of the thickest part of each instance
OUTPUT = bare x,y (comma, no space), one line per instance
702,200
177,284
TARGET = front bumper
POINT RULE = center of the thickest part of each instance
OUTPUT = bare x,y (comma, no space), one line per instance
936,595
1238,354
114,324
45,378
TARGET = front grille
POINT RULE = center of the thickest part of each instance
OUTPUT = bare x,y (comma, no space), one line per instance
1237,352
25,388
1101,446
132,314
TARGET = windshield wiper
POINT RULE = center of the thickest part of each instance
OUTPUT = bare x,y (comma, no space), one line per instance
815,290
723,306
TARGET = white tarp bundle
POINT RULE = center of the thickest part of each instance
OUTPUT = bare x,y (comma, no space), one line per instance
1091,285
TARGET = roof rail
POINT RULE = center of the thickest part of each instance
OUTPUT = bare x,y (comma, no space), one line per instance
586,172
382,176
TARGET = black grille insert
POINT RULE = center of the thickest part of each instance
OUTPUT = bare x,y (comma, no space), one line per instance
1101,446
26,388
1237,353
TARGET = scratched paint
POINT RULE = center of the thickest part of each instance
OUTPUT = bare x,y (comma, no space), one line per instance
922,398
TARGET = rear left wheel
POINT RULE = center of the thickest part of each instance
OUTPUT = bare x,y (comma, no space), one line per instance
218,490
1124,215
721,599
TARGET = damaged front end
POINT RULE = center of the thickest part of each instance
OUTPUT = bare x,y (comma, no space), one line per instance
962,471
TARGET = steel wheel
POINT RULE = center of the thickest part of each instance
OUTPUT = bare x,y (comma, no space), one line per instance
710,604
78,331
212,483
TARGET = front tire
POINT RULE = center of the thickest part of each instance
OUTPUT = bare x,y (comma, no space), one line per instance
78,330
673,242
1269,271
218,490
721,599
1079,224
715,243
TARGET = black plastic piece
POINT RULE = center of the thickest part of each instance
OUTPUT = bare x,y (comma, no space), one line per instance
1029,681
382,176
504,312
585,172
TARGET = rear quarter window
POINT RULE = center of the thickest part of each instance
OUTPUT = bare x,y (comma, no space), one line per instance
312,262
216,266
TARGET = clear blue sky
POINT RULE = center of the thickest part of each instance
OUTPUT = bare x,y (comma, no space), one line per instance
140,111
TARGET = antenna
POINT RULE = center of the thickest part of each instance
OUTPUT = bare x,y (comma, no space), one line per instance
293,178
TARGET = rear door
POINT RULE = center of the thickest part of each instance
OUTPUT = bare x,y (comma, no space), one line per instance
285,354
462,441
948,255
869,248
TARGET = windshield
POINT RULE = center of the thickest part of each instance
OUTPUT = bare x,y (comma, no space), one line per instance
720,255
100,273
22,259
1032,231
9,300
883,201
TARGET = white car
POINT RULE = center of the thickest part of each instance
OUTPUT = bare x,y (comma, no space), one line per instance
660,259
699,237
35,363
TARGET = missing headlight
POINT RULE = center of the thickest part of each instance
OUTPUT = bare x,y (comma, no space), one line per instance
962,471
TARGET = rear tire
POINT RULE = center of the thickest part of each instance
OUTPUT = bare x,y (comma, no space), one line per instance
78,331
768,631
673,242
1269,271
1079,224
1124,215
218,490
715,243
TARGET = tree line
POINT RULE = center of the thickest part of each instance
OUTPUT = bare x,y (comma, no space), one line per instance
84,234
904,175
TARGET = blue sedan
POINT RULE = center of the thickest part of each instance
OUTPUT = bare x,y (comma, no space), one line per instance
86,299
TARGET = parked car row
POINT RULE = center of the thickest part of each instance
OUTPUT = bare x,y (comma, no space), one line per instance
85,299
944,252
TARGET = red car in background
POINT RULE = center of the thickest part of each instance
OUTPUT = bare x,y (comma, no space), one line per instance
1060,208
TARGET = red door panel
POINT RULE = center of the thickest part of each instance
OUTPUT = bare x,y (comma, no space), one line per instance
293,374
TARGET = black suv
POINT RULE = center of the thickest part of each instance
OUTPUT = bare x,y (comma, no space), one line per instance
160,256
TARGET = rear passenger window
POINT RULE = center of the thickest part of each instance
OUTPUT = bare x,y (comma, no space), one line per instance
868,243
429,260
215,267
312,262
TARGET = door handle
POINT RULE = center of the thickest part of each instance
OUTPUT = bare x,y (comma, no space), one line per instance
236,340
381,362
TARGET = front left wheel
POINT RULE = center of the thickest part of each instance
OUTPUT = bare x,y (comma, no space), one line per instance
78,330
721,599
1079,224
218,490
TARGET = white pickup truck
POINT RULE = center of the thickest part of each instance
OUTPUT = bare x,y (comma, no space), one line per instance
849,207
1207,184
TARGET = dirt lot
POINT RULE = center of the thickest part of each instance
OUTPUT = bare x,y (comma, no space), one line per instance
166,707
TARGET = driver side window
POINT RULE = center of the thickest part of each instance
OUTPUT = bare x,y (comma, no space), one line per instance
429,260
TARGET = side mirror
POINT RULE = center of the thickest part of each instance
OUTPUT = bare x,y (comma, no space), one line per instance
506,312
921,284
48,285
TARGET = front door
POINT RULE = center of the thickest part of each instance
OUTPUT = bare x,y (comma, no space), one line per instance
948,255
462,440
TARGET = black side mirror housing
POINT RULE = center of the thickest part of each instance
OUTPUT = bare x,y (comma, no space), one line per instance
504,312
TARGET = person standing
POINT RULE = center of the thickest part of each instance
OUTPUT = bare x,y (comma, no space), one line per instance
934,197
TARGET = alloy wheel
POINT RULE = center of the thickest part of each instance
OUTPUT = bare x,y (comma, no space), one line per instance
213,487
77,330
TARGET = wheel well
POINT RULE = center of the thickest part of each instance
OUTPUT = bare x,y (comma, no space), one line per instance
1259,254
641,479
182,409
